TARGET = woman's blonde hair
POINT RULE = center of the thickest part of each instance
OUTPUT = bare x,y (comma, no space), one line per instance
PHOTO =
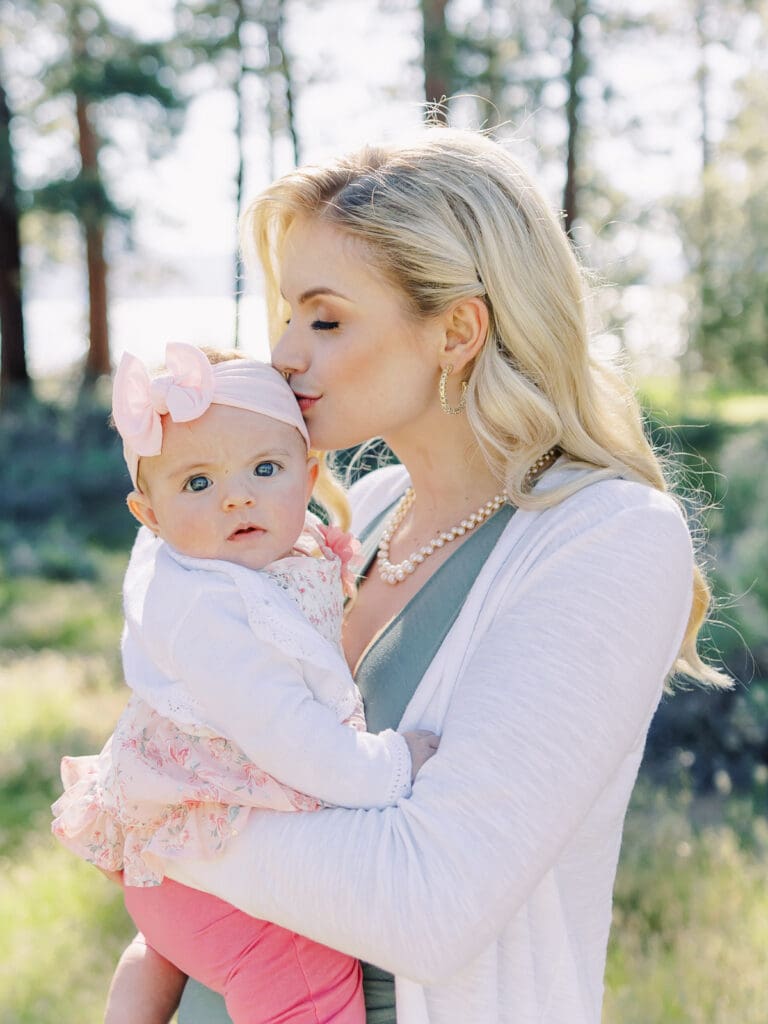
450,216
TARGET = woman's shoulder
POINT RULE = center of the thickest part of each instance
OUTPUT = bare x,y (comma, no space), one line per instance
617,495
637,512
579,487
372,493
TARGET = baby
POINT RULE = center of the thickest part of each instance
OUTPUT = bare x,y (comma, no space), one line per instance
241,696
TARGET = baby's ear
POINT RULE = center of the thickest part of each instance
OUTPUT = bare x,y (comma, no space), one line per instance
142,510
313,468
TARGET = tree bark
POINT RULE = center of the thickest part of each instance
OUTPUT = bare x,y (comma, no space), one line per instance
438,76
282,90
576,71
286,71
97,361
14,376
239,269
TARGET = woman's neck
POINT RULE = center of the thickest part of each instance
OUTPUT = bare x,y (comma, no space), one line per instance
449,476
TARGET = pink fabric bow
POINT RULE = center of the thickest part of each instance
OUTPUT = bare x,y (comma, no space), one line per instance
347,549
139,402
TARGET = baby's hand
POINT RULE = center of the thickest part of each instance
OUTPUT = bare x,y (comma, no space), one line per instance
422,745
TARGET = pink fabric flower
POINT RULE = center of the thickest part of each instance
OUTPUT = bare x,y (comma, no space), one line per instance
178,753
347,549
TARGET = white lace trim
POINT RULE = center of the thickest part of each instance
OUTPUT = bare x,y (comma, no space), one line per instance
400,785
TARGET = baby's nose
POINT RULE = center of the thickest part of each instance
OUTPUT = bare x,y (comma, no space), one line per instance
238,497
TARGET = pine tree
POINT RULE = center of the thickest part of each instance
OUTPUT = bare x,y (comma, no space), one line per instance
102,64
245,40
14,377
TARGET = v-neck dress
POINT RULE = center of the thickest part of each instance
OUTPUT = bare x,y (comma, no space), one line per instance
387,676
392,667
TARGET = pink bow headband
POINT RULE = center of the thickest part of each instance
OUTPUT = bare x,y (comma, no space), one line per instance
184,392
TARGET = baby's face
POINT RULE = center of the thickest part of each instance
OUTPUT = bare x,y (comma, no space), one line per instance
233,484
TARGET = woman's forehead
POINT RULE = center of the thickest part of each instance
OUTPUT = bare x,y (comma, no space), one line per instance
319,258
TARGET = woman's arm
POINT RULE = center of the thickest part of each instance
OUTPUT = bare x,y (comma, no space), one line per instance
558,694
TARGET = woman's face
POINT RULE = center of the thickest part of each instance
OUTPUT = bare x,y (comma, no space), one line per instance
359,364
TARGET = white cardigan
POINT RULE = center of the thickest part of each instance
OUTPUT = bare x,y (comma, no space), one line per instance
488,891
213,644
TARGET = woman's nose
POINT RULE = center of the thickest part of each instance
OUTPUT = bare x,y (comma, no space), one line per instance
288,356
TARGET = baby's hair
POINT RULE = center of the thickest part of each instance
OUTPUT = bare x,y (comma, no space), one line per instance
220,355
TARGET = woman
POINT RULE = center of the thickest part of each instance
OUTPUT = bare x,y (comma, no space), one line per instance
534,586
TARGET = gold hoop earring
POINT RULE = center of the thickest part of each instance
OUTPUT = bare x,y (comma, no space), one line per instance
448,409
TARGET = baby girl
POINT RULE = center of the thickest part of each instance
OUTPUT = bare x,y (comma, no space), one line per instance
241,697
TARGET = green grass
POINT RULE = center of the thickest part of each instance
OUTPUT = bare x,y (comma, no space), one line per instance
691,908
82,616
52,703
703,403
63,927
690,920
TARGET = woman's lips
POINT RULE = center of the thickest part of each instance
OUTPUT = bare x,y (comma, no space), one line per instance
306,401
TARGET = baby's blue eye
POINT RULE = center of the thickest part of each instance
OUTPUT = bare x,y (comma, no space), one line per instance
266,469
197,483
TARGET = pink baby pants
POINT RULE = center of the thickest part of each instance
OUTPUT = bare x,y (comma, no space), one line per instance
266,974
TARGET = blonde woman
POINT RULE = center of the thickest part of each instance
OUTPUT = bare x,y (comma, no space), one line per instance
533,589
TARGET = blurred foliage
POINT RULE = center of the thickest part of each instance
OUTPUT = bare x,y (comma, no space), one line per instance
718,741
724,227
690,909
63,483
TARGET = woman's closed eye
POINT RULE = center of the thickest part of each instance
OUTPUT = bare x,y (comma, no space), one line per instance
324,325
267,468
198,483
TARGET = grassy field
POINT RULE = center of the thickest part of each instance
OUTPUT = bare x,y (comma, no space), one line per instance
691,912
704,403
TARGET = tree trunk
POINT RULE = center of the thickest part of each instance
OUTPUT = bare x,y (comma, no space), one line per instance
438,71
699,354
14,377
290,90
97,361
239,269
576,72
282,88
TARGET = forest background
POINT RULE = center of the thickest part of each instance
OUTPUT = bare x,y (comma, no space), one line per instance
131,134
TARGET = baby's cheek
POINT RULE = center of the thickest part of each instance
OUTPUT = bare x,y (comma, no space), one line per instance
193,534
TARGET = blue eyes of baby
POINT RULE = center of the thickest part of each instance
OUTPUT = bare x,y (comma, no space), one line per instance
202,483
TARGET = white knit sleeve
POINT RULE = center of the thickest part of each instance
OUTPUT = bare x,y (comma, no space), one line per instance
255,694
546,712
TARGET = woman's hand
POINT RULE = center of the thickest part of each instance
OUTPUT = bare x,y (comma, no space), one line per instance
422,745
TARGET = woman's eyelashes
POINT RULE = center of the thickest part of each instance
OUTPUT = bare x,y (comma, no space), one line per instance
319,325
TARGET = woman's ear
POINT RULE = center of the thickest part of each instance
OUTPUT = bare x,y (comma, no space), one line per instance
466,328
313,468
142,510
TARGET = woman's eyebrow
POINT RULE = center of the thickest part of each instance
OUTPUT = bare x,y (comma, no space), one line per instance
320,290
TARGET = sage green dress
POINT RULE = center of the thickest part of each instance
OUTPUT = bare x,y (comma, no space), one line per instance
387,676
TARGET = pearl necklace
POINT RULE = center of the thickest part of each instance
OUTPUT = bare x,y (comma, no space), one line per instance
394,574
